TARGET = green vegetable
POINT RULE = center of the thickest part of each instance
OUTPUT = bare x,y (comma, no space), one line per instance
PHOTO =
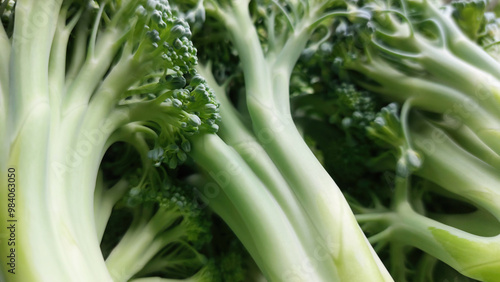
79,78
124,159
439,147
311,235
106,114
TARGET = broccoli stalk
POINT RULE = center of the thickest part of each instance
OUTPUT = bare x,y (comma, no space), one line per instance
419,58
162,216
415,53
423,148
305,202
79,72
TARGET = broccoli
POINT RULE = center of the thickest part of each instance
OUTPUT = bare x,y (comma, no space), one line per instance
79,77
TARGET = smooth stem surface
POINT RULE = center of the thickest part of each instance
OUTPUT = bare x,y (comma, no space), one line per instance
282,253
456,248
468,140
480,88
141,243
238,22
4,94
446,162
38,144
478,222
235,134
460,45
320,197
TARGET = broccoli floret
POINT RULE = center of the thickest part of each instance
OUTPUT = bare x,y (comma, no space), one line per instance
165,233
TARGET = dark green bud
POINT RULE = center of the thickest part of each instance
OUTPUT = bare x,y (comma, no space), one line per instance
214,128
177,31
197,79
380,122
181,156
156,17
154,35
176,103
156,153
175,82
186,146
194,120
172,147
178,44
172,163
210,108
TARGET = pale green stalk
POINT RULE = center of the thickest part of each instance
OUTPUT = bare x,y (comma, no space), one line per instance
104,201
141,243
437,152
459,44
235,134
453,246
468,140
456,248
266,90
36,130
5,46
280,251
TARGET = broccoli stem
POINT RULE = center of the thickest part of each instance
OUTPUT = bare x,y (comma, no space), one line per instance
76,166
235,134
279,250
468,108
38,145
195,278
468,140
92,71
29,156
479,222
4,92
231,215
460,45
79,51
5,46
238,21
104,201
398,261
425,268
453,246
436,168
142,241
268,104
447,69
325,206
57,63
32,40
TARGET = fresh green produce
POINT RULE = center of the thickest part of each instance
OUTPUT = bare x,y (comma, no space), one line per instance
437,151
203,140
102,103
85,79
